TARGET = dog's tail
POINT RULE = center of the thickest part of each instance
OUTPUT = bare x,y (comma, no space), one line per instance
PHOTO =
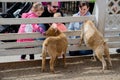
44,49
106,40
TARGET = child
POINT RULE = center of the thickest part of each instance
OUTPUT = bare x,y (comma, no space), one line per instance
36,10
59,26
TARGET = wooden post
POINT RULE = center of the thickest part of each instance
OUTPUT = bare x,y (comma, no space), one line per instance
100,11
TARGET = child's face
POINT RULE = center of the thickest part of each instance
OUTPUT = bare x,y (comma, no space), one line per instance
83,10
38,13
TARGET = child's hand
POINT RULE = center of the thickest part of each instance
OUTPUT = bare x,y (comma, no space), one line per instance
43,33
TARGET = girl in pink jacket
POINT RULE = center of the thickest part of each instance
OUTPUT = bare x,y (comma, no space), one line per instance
36,10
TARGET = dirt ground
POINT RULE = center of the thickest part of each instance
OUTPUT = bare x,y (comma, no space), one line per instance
77,70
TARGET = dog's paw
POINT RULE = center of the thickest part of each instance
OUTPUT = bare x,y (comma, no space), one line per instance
52,71
42,70
109,67
93,59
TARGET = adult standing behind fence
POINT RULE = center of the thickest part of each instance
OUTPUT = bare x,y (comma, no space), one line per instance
36,10
49,10
83,11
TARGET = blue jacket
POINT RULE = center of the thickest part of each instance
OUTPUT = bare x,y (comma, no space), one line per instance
76,25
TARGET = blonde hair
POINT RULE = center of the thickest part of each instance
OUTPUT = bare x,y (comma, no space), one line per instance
37,7
57,15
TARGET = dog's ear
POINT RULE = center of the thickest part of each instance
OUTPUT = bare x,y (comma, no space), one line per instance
54,26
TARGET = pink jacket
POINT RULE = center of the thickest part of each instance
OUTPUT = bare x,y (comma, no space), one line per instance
32,27
60,26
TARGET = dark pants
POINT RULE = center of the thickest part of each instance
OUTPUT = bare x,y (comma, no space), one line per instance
80,52
24,56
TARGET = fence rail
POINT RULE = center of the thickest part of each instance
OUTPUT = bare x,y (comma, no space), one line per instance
44,20
38,0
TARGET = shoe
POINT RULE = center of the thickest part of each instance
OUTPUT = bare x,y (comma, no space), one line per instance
118,50
23,59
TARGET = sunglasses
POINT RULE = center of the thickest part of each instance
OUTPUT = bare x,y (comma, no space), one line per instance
55,6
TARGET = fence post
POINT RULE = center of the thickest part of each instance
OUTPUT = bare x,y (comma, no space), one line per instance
4,7
100,12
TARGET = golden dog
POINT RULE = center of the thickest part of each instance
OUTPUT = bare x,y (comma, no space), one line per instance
54,45
95,40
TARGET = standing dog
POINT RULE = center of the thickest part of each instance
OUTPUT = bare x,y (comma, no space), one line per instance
54,45
95,40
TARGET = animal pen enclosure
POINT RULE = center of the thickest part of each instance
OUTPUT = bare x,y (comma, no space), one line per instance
106,19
